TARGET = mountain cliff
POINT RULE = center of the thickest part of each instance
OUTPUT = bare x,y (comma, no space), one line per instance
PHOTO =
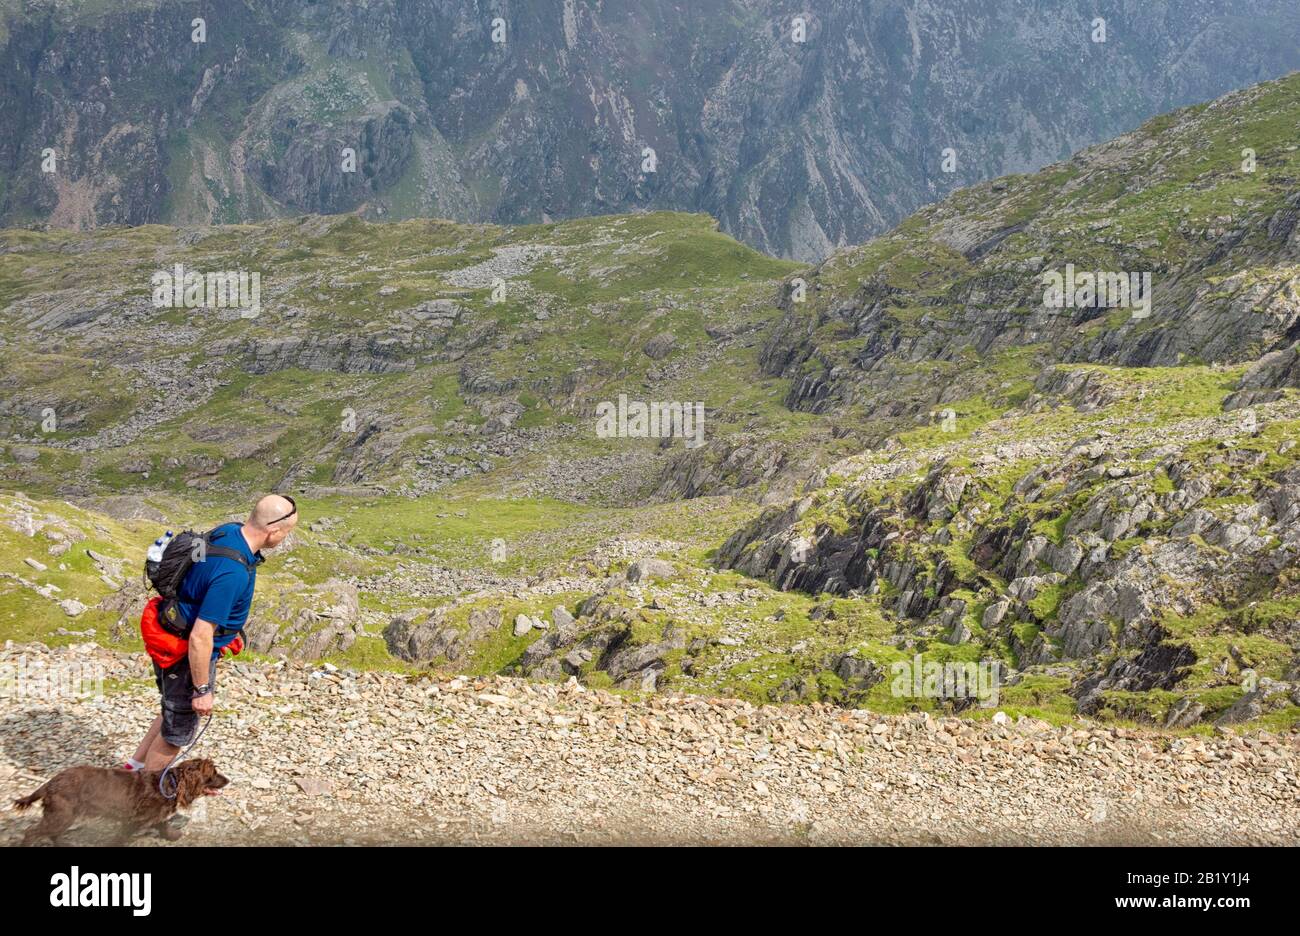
798,137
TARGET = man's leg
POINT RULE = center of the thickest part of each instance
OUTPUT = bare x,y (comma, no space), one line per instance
160,754
142,751
177,723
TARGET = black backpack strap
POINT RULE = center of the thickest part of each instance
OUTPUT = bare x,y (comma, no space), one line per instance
227,553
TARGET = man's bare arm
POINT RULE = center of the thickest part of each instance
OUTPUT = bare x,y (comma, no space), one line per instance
200,662
201,650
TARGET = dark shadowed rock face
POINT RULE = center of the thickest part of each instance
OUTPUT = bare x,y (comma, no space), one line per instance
1159,665
301,170
797,147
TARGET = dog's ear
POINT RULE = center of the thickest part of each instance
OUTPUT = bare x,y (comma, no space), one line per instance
190,780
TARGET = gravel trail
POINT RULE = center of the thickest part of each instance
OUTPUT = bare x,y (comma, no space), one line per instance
334,757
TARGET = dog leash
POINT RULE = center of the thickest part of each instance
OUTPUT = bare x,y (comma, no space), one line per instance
162,777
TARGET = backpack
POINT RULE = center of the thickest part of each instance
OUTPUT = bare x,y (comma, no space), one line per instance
166,574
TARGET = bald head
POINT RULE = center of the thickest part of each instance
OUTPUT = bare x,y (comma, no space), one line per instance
271,511
272,520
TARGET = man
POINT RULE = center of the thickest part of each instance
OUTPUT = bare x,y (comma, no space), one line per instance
216,595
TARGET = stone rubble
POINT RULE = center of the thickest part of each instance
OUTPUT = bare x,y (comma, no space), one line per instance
323,755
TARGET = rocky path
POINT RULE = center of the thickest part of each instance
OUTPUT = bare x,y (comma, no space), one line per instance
325,756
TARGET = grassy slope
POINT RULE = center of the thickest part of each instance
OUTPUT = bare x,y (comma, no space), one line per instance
610,285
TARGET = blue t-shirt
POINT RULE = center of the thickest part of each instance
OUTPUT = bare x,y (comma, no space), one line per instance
220,590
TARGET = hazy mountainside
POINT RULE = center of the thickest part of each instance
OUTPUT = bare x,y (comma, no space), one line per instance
381,358
954,300
1103,500
796,147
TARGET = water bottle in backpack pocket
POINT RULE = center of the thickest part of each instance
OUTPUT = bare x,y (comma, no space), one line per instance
155,554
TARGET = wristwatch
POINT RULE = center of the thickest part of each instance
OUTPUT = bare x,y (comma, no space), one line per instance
201,690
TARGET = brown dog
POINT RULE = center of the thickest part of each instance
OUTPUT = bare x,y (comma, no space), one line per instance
130,796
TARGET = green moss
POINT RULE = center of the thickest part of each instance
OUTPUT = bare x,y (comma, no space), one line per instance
1034,696
1046,601
1053,528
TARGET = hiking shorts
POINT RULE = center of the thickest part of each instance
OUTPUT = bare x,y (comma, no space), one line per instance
179,720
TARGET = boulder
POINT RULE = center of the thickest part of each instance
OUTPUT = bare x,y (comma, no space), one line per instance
329,638
660,346
543,648
419,636
995,612
1184,713
628,659
482,622
645,569
857,673
1269,695
323,621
